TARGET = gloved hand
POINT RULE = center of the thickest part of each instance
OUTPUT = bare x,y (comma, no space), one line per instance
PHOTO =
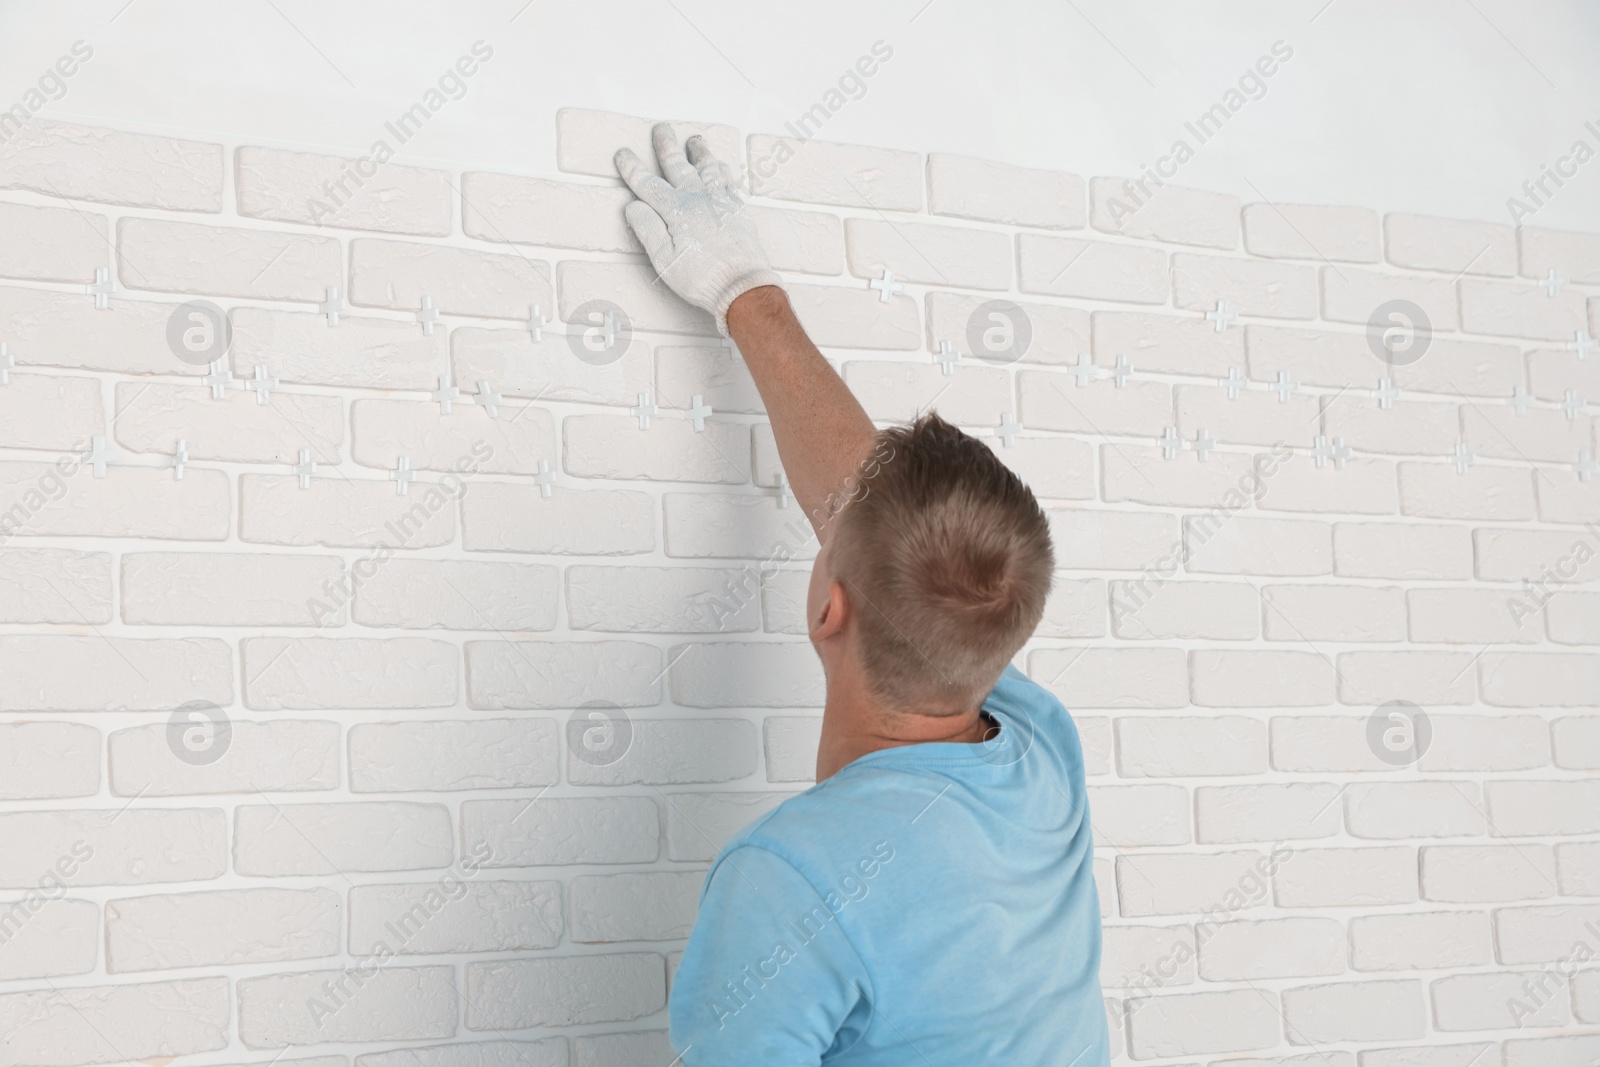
692,226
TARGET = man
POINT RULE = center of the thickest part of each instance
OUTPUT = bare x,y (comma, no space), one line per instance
930,900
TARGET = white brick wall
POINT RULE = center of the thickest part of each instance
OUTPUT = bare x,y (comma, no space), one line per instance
500,724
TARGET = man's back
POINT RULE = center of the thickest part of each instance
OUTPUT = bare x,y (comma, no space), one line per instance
929,904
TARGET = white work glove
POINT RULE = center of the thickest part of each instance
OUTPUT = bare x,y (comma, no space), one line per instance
692,225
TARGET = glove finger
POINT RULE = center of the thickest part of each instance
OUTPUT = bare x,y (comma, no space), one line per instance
645,185
651,231
669,154
713,173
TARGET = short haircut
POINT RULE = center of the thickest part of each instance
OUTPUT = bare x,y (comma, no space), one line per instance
945,556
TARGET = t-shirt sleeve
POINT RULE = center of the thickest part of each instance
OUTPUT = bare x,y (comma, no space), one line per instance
768,976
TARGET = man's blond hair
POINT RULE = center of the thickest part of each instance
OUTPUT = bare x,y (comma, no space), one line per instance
945,556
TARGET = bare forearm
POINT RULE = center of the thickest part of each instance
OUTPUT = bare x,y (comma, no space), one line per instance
821,430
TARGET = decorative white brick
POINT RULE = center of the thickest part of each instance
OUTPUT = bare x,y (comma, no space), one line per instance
360,352
103,673
1408,428
221,928
1054,468
134,846
1347,878
1575,255
1141,475
1426,941
1150,746
1533,680
63,498
1127,816
54,585
51,329
1533,808
563,990
1166,344
1578,868
791,747
299,674
673,752
615,447
1113,540
1439,491
1577,742
1466,617
823,172
393,757
52,244
722,380
51,412
838,316
1053,401
1186,1024
1243,951
1257,678
1094,270
561,674
1056,334
1487,743
1171,213
189,257
979,189
663,599
1355,1011
1487,874
1142,957
242,589
965,257
1192,883
467,441
280,755
329,191
150,1020
39,760
699,824
548,369
1233,814
1520,309
282,839
1495,1001
510,517
1311,231
1270,290
535,211
745,674
1397,810
1542,934
1343,613
1273,547
1108,677
341,513
417,594
313,1007
48,937
647,906
1354,296
546,831
1454,246
1401,550
459,281
1362,487
1251,419
453,915
112,167
808,241
1425,678
153,417
1157,609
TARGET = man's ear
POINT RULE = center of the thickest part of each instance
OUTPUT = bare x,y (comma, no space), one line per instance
834,615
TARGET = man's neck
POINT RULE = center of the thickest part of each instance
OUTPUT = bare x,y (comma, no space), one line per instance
854,723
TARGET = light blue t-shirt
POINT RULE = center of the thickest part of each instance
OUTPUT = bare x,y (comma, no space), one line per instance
930,904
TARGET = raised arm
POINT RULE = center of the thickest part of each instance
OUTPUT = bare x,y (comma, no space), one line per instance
702,245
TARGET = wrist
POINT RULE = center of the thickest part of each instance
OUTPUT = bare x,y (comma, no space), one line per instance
761,303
